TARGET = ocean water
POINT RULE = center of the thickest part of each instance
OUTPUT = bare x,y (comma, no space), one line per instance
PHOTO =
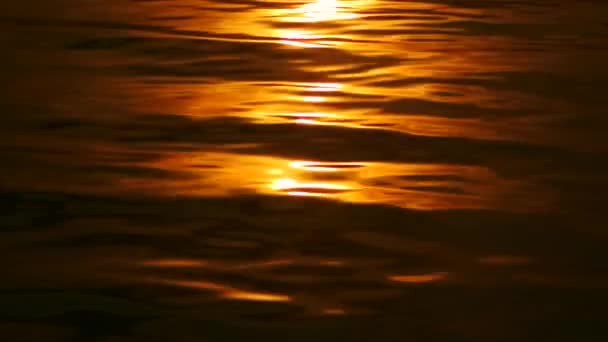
300,170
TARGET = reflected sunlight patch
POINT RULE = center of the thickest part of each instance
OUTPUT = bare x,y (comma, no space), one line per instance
324,167
325,10
419,278
227,292
216,264
255,296
414,186
295,188
299,38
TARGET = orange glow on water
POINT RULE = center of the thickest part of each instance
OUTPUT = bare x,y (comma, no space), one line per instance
228,292
295,188
418,278
331,85
324,10
303,161
324,167
419,186
255,296
196,284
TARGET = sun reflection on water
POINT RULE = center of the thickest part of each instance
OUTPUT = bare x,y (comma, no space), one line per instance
419,186
216,159
419,278
295,188
227,292
314,12
389,87
325,10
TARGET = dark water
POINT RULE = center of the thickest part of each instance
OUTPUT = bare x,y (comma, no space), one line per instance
359,170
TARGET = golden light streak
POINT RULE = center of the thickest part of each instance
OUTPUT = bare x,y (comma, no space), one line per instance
295,188
255,296
324,167
417,186
228,292
418,278
196,284
324,10
313,99
328,87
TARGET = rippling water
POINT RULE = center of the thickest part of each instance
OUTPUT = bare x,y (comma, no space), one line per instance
213,170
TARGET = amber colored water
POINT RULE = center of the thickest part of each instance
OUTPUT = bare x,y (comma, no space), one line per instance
303,170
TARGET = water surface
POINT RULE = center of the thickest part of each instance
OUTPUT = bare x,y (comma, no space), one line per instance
291,170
